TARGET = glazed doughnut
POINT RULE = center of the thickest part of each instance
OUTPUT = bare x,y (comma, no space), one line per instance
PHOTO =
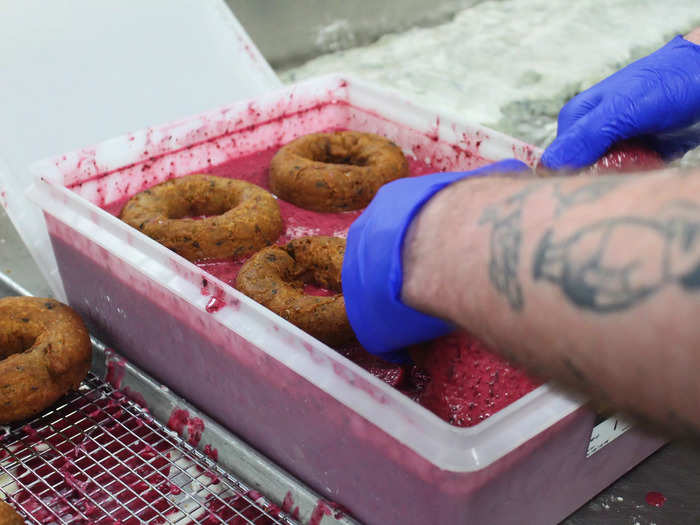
335,171
8,515
275,278
45,352
242,217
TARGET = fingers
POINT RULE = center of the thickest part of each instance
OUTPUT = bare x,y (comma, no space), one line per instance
577,108
587,140
673,145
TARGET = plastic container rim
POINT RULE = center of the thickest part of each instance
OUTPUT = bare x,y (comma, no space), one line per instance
555,403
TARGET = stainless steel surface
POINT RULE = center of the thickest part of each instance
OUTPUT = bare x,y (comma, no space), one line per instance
289,33
97,454
16,265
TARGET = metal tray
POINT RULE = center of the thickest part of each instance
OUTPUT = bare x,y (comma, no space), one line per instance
100,453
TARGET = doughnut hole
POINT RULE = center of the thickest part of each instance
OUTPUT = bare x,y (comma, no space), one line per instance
20,337
333,172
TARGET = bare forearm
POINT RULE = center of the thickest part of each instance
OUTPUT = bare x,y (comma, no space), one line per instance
694,36
594,282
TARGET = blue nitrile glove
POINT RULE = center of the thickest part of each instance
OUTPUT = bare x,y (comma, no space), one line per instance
372,267
656,98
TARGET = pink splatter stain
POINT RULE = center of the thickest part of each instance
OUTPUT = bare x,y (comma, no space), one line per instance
320,510
310,289
178,420
655,499
627,156
31,432
195,427
214,305
288,502
211,452
115,372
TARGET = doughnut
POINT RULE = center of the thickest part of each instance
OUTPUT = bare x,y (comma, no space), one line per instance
45,352
275,278
241,217
8,515
333,172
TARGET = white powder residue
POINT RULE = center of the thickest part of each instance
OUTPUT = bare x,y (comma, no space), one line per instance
296,231
512,64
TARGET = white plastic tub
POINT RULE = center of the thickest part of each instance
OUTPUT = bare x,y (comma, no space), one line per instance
349,435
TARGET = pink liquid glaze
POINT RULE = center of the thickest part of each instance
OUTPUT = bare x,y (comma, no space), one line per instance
178,420
195,427
31,433
234,510
288,502
299,223
310,289
320,510
627,156
655,499
412,381
86,476
115,372
215,304
211,452
136,397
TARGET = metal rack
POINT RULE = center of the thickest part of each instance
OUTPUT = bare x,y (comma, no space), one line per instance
98,457
232,482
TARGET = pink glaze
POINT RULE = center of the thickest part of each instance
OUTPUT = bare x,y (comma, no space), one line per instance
310,289
211,452
178,419
92,477
31,433
215,304
241,512
85,476
468,383
136,397
628,156
655,499
298,223
195,427
320,510
115,371
288,502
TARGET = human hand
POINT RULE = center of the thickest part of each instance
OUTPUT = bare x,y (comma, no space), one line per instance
373,269
656,99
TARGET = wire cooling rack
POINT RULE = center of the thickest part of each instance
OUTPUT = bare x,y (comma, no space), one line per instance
98,457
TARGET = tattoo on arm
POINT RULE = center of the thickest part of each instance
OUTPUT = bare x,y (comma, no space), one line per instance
506,237
585,194
595,274
506,234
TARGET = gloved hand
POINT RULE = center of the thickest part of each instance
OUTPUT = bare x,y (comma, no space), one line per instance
372,267
656,98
